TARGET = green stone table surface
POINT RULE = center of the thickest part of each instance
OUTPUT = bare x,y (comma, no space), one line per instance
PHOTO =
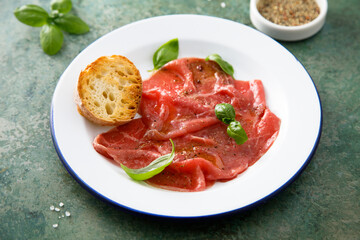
323,203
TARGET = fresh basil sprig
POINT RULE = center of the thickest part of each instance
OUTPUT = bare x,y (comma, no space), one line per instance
226,113
166,53
51,36
225,66
155,167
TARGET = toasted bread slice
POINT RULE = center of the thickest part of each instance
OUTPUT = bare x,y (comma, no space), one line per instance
109,91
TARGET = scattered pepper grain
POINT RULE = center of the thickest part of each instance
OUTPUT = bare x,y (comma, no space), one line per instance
289,12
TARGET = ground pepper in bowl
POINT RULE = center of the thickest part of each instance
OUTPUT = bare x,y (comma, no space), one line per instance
289,12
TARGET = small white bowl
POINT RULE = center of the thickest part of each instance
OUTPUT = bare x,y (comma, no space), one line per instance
288,33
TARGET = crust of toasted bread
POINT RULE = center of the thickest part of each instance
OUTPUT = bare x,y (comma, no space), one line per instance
109,91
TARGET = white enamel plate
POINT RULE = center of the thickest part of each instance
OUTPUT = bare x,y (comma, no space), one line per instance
290,94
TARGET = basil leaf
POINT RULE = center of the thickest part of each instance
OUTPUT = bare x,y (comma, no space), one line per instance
51,39
236,132
166,53
31,15
225,66
62,6
71,24
225,112
155,167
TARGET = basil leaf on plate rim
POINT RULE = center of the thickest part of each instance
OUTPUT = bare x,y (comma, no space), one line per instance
226,113
155,167
225,66
165,53
170,51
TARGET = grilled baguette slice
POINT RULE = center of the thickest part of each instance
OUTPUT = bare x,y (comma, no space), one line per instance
109,91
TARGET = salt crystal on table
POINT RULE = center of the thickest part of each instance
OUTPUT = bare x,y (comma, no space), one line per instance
57,209
52,208
67,213
61,204
55,225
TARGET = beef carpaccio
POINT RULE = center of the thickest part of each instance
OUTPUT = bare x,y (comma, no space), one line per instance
178,102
